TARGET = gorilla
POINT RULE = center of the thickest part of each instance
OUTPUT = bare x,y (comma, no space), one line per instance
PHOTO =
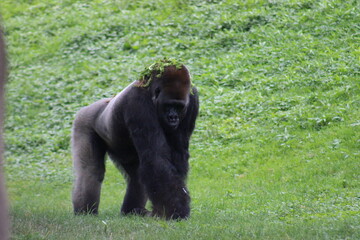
145,130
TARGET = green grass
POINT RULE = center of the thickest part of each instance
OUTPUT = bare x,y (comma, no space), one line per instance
276,150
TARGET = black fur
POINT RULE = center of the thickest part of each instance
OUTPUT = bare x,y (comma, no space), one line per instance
151,152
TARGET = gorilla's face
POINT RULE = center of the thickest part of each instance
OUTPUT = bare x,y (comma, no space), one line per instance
171,111
170,94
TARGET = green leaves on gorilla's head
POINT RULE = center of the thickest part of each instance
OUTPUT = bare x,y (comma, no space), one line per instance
156,70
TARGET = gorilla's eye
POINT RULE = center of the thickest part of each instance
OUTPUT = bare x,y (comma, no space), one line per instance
180,107
157,92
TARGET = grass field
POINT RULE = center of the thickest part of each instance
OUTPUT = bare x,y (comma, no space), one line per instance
276,150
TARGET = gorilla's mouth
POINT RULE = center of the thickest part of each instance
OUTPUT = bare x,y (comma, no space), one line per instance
173,123
173,120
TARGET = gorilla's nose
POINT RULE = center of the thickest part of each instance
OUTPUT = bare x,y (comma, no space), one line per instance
173,118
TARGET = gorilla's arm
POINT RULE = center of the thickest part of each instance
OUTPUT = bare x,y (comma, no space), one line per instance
179,140
193,110
165,186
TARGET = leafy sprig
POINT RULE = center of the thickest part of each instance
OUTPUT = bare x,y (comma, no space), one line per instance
158,67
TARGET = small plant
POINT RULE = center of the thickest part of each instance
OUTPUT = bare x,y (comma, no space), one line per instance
156,70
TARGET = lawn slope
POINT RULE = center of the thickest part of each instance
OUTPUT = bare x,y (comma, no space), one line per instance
276,150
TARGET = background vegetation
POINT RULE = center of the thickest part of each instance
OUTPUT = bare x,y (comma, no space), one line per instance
276,151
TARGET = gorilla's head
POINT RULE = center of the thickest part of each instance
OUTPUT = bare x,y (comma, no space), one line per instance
170,93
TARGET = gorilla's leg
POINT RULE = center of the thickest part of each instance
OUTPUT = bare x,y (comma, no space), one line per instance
89,164
135,197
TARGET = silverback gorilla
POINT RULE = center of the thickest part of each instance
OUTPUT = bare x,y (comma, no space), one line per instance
145,130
